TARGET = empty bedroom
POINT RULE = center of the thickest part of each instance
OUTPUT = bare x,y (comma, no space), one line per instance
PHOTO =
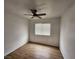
39,29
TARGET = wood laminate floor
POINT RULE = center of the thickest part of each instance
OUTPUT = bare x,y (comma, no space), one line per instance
35,51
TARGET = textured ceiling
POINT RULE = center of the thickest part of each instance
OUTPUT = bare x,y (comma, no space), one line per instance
53,8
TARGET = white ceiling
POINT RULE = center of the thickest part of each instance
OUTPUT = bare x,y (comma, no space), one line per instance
53,8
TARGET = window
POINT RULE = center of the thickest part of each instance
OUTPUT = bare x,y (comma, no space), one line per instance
42,29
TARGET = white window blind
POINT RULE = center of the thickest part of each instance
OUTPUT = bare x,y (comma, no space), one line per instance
42,29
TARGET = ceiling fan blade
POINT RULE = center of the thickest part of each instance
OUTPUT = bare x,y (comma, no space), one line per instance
42,14
28,14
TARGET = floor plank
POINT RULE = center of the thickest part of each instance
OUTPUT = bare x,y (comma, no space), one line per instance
35,51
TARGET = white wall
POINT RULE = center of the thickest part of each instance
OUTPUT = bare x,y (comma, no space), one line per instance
15,33
53,39
67,34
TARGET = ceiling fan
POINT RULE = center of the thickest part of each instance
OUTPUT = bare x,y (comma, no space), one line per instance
35,14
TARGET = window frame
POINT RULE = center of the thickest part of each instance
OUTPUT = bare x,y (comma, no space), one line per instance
42,34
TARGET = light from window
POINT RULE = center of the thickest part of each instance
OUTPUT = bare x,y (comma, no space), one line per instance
42,29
